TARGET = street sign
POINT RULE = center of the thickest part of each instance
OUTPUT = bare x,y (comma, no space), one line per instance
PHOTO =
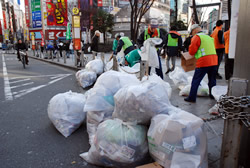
75,11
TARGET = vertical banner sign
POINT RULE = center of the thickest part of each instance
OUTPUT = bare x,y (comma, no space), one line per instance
36,13
4,13
42,42
27,13
57,12
76,33
33,40
68,37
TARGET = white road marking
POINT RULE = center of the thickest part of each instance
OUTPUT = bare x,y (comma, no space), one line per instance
26,91
7,89
20,81
25,84
55,75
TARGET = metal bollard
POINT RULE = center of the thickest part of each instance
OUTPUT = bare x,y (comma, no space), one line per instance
103,57
143,69
52,55
58,57
64,56
115,65
75,57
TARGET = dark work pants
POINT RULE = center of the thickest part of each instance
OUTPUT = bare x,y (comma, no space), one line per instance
158,71
229,67
219,53
197,78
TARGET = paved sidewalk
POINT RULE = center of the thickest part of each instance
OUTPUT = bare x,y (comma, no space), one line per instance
200,108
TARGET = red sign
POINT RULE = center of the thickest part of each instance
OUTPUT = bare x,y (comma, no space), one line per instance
54,34
99,3
57,13
4,20
77,44
42,42
27,13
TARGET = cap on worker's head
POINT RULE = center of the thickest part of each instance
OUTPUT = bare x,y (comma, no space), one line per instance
97,32
154,23
122,34
194,26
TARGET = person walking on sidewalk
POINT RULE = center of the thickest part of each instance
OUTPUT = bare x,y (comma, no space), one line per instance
174,46
229,62
95,43
60,46
219,46
153,32
125,44
203,49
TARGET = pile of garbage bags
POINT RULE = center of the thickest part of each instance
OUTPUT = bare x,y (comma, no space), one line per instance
87,76
178,140
183,81
118,144
65,110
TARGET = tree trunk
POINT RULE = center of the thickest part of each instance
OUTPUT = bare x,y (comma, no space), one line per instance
195,13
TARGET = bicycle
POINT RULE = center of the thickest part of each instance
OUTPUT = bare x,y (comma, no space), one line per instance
22,57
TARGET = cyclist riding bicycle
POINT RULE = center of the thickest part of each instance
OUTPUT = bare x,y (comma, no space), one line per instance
21,46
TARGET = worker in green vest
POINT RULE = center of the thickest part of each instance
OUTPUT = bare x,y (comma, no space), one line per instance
153,32
203,49
132,58
174,46
125,44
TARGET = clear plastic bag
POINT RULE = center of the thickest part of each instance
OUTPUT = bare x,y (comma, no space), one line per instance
100,101
65,110
95,66
203,90
86,78
179,77
118,144
139,103
218,91
178,140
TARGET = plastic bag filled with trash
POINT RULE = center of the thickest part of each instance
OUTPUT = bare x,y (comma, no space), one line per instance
100,101
86,78
157,79
139,103
178,140
95,66
203,89
118,144
179,77
65,110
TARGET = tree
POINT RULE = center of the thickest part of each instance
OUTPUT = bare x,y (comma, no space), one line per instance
195,13
180,25
138,9
103,21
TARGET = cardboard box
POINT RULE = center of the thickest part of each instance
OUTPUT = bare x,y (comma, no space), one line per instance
188,62
151,165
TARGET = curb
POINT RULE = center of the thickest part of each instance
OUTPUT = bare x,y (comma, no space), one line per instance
56,63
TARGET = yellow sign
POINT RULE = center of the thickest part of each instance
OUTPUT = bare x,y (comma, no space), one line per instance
76,21
75,11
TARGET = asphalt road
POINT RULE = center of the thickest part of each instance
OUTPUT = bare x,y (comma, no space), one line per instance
27,137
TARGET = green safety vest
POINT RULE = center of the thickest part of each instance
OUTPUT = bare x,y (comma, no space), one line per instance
127,43
207,46
147,36
172,42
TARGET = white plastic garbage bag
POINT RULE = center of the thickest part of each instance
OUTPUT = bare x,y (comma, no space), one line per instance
157,79
100,102
117,144
203,90
139,103
95,66
218,91
86,78
130,70
179,77
178,140
65,110
149,53
108,65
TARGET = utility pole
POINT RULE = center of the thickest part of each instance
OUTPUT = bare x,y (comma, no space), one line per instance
235,144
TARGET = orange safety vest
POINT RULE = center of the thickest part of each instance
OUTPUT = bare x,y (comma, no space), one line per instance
226,37
217,43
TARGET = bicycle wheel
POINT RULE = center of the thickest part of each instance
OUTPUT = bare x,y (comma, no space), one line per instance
23,61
